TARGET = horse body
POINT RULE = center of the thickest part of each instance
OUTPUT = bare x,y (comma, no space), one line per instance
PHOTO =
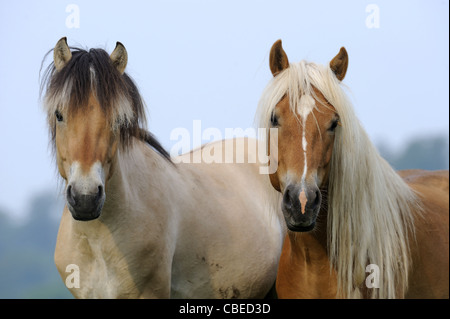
200,239
229,251
136,224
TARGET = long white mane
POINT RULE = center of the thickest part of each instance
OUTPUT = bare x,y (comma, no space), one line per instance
370,207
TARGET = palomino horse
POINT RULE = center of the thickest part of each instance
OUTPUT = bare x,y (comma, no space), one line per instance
135,224
356,227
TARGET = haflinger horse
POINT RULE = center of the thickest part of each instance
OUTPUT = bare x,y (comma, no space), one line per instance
135,224
356,228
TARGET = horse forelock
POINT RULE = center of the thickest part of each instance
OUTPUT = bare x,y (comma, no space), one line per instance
370,208
91,72
295,81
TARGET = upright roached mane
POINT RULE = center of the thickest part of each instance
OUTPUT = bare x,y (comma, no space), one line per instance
92,71
370,207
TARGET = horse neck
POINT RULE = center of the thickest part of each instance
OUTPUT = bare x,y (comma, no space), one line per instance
305,260
139,177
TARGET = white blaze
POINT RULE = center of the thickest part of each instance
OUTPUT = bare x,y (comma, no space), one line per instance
305,106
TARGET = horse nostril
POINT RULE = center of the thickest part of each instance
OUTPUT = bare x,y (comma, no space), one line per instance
317,199
100,191
70,196
287,199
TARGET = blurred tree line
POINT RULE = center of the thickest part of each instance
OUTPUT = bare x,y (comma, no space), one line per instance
27,269
431,153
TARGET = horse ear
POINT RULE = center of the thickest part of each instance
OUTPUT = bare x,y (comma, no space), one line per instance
278,59
61,54
339,64
119,57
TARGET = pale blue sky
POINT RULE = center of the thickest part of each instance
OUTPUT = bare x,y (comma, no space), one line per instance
208,61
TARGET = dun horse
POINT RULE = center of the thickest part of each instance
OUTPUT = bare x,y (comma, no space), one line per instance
135,224
356,227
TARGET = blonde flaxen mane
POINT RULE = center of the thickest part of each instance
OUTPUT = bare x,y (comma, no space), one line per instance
370,207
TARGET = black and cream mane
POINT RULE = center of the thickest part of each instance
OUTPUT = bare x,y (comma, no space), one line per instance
90,72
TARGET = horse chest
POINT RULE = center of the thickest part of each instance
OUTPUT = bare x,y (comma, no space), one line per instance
101,270
304,271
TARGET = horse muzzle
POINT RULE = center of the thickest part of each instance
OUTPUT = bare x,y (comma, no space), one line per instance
85,191
300,207
85,206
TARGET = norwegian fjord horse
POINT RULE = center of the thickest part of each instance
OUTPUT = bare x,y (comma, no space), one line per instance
356,228
136,224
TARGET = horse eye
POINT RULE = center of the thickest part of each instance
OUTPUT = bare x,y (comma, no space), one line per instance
59,116
334,125
274,119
